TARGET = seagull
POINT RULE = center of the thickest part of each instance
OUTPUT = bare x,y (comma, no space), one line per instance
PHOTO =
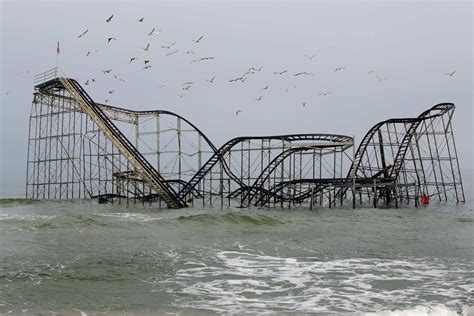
88,53
107,71
187,87
147,67
111,91
197,41
339,69
172,53
207,58
259,98
123,80
188,83
325,93
87,82
169,45
304,73
280,73
310,57
147,47
153,32
93,79
110,39
140,20
266,88
109,19
132,59
83,33
146,61
211,80
242,79
450,73
237,112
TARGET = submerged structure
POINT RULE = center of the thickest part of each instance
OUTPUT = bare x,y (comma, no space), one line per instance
80,149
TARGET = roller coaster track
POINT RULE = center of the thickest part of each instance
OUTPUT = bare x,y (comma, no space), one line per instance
260,181
219,155
126,148
414,123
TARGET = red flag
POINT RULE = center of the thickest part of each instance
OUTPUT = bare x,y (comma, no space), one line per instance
57,49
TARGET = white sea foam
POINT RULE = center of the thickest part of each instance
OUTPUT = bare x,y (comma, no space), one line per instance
242,281
132,216
436,310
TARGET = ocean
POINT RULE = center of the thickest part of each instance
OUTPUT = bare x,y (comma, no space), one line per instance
80,257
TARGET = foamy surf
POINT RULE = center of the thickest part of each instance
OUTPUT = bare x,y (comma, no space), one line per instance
242,281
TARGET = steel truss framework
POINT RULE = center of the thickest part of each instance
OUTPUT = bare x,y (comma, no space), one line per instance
81,149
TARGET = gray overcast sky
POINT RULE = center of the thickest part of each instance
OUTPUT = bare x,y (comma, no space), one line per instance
412,44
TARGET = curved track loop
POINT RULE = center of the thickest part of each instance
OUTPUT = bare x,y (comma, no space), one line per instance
219,154
257,186
394,169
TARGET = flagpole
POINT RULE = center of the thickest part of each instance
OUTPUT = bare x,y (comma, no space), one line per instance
57,61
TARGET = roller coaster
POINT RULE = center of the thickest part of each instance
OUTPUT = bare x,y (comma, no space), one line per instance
81,149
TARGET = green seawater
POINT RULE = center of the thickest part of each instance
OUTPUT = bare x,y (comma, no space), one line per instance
80,256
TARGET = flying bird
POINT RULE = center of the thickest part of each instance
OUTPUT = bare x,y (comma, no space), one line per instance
339,69
83,33
304,103
450,73
111,39
259,98
147,67
153,32
180,95
8,92
93,79
310,57
237,112
141,19
380,78
146,61
109,19
147,47
266,88
88,53
242,79
207,58
371,72
280,73
173,52
211,80
303,73
188,83
197,41
189,52
107,100
111,91
87,82
132,59
107,71
171,44
325,93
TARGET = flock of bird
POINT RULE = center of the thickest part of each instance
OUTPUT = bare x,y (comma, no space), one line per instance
172,50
